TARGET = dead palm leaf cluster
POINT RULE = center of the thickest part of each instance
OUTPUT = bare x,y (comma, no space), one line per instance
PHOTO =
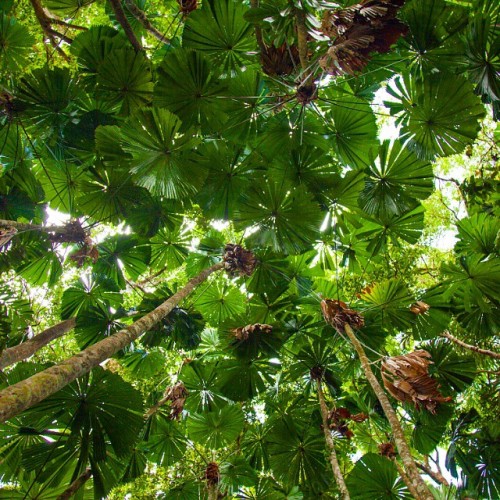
387,450
177,395
243,333
407,379
187,6
279,61
337,314
238,261
339,418
359,30
212,475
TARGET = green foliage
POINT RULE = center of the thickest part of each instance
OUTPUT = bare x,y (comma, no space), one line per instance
228,130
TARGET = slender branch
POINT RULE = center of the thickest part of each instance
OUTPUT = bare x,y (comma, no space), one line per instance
149,413
28,348
61,22
473,348
337,473
76,485
46,24
397,431
435,475
18,397
122,19
142,18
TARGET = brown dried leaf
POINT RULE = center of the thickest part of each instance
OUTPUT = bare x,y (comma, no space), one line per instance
238,261
387,450
177,395
187,6
407,379
419,307
358,31
243,333
337,314
212,475
280,61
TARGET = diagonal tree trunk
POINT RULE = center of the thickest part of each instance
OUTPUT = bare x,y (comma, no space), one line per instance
24,394
417,483
337,473
28,348
122,19
143,19
76,485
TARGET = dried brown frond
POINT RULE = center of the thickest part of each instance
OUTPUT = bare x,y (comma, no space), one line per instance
279,61
73,233
407,379
387,450
243,333
238,261
88,251
337,314
358,31
359,417
212,475
187,6
177,395
338,421
419,307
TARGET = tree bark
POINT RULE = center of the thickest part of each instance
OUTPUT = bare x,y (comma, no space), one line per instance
435,475
122,19
24,394
76,485
300,17
21,226
28,348
405,478
473,348
337,473
397,431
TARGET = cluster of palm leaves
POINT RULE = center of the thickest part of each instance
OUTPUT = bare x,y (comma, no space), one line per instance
167,130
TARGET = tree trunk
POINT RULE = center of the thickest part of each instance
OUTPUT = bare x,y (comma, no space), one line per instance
142,18
473,348
405,478
337,473
24,394
397,431
76,485
28,348
213,492
22,226
122,19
